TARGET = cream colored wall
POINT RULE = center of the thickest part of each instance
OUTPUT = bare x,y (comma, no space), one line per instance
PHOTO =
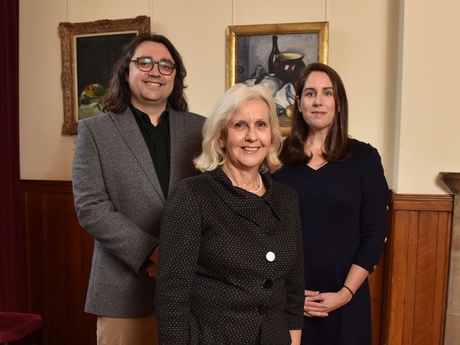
430,90
390,107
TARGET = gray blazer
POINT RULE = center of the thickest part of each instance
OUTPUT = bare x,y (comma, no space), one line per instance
119,202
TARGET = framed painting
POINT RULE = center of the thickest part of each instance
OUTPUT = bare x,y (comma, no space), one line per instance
273,55
89,52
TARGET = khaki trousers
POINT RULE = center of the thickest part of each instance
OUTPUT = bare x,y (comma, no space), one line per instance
136,331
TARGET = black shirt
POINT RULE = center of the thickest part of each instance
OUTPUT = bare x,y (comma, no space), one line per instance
157,140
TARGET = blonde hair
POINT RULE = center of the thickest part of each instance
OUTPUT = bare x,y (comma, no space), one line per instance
230,103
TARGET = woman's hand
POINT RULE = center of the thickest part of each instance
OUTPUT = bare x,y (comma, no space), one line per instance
313,306
321,304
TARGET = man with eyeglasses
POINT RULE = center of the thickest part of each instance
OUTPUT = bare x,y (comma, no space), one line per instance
126,162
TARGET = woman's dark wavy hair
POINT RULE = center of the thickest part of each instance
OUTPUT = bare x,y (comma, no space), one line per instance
336,144
118,94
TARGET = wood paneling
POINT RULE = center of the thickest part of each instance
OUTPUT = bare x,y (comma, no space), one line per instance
416,270
408,288
376,287
59,258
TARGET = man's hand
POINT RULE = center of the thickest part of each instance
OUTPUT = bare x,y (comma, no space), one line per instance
152,268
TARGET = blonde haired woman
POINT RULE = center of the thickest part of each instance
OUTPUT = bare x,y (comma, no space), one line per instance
230,265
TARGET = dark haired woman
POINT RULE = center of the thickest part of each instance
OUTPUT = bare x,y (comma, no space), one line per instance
343,199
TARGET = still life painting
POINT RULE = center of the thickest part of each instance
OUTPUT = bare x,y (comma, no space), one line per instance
89,51
95,56
273,55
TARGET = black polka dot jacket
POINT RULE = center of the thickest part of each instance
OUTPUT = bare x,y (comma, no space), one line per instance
230,264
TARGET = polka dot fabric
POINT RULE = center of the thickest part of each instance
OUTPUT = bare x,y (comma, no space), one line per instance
230,264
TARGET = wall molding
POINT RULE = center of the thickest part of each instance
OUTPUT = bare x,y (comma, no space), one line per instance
421,202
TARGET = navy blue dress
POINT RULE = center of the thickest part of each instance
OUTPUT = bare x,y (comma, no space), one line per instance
344,221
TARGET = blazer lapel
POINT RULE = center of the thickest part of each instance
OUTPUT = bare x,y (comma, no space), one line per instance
238,200
131,134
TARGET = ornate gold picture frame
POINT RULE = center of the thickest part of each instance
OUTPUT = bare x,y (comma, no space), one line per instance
273,55
89,51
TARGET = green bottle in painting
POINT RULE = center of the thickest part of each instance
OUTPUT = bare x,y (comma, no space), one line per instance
275,51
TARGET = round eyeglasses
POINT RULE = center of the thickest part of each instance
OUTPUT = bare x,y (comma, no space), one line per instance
146,64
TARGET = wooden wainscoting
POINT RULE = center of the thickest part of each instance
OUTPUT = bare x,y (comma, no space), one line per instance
408,287
376,287
416,270
58,257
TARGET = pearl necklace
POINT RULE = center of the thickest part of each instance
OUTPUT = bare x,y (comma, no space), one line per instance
258,189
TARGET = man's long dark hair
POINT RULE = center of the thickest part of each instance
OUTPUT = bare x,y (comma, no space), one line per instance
118,94
336,144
